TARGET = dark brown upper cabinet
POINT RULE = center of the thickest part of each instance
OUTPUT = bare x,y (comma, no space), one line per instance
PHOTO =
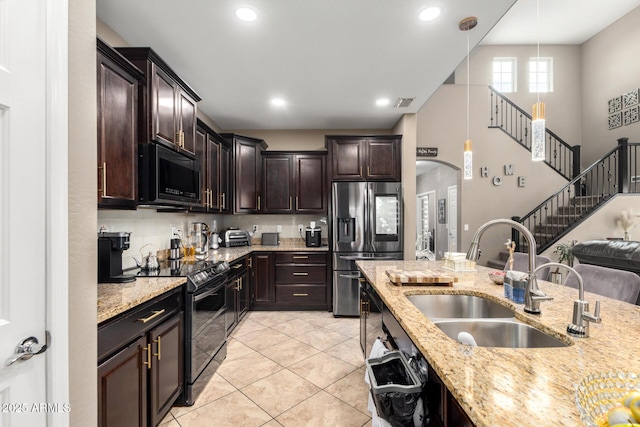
168,107
365,158
247,173
212,155
294,182
117,109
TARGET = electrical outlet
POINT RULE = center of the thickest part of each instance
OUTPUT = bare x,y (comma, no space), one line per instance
300,228
255,228
279,228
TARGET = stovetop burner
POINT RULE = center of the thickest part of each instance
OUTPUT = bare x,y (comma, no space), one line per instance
198,272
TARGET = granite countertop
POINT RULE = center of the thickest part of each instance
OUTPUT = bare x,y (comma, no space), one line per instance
515,387
116,298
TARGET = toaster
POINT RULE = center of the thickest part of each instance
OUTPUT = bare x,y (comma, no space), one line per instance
234,237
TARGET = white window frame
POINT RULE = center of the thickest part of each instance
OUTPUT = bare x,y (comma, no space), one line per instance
534,85
499,85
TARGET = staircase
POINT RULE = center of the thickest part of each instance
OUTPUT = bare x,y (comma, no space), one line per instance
616,172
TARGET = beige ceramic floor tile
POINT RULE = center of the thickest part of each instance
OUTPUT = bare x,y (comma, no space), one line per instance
236,349
246,326
262,339
272,423
270,318
349,351
322,339
320,318
279,392
334,413
294,327
248,369
289,352
208,390
353,390
232,410
322,369
168,420
345,326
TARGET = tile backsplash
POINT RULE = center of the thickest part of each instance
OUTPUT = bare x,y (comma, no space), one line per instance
151,230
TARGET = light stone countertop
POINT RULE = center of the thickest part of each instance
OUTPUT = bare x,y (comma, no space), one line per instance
116,298
515,387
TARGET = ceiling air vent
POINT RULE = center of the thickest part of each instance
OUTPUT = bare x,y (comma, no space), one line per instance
403,102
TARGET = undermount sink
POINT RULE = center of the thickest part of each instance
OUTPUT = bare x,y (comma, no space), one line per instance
507,333
459,306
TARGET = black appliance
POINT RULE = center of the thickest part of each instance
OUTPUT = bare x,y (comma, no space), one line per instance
205,329
313,237
110,248
166,177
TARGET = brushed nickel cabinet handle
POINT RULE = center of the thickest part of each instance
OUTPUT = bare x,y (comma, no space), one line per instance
300,295
290,202
300,257
103,190
155,314
258,202
297,204
301,274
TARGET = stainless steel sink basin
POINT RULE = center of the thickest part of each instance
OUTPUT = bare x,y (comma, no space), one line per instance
507,333
459,306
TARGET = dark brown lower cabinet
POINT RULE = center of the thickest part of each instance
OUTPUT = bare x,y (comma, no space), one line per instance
139,381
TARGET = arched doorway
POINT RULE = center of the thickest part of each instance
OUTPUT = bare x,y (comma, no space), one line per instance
437,207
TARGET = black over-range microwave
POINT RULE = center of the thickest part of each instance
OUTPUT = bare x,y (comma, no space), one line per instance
166,177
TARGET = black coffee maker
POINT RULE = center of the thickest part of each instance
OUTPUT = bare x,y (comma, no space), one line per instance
110,248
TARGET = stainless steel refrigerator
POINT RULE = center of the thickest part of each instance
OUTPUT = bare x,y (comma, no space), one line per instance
366,225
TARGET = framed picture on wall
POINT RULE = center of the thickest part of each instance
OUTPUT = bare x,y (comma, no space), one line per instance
442,211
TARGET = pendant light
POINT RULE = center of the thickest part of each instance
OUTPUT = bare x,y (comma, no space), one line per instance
538,123
467,169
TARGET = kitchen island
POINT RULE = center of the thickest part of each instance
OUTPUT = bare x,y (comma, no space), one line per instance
514,387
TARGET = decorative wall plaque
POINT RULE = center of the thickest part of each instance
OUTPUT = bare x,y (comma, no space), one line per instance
615,104
615,120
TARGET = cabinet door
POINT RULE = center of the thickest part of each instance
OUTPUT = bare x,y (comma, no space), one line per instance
167,367
187,119
201,159
230,296
383,160
348,159
247,169
311,183
122,387
225,188
164,110
244,293
263,283
117,135
364,301
213,173
278,184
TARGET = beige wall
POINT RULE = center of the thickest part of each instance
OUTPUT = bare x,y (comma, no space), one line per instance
82,214
611,67
563,105
442,123
407,127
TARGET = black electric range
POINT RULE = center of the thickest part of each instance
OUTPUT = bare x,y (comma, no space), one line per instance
205,329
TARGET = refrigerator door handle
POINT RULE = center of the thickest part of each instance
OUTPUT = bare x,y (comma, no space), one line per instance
365,258
350,276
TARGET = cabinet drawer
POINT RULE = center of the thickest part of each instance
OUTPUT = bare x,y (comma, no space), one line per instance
300,294
300,258
137,321
301,274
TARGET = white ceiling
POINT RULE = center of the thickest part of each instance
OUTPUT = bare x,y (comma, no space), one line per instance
331,59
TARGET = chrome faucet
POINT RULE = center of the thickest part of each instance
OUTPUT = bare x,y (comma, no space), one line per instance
579,326
532,296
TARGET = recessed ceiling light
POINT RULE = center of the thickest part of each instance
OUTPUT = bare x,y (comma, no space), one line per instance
382,102
246,14
429,13
278,102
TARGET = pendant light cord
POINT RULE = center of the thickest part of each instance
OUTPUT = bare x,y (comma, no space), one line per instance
538,48
467,85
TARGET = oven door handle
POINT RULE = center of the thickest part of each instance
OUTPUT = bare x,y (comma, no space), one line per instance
205,294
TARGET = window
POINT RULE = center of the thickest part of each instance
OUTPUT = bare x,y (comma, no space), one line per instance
540,75
504,74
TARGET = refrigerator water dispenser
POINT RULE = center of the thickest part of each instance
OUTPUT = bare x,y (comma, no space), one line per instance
347,230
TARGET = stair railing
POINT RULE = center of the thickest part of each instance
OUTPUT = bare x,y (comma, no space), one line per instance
516,123
616,172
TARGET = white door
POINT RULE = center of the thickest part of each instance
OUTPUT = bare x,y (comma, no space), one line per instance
22,209
452,217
